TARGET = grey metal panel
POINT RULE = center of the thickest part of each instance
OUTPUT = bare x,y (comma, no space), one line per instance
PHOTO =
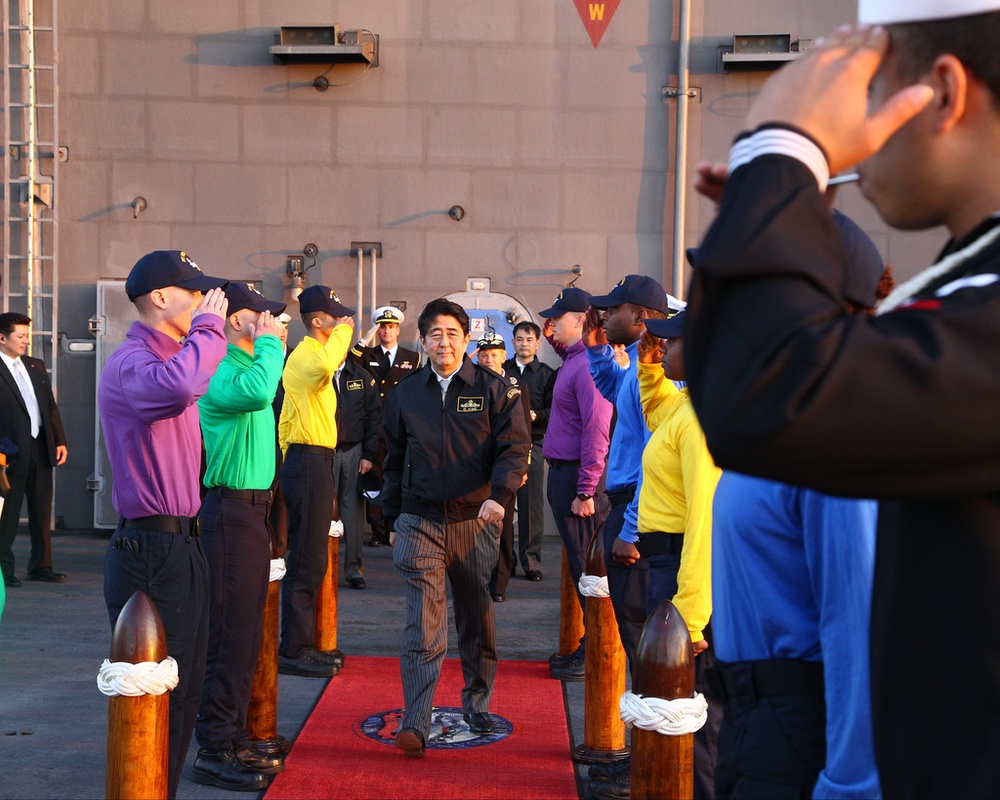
115,314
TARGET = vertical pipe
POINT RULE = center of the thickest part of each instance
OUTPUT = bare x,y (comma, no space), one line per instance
374,257
680,146
360,279
29,110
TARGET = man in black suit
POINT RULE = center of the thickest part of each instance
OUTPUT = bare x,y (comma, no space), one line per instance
30,419
389,364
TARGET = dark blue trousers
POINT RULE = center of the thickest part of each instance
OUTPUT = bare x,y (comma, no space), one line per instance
171,569
575,532
627,584
238,548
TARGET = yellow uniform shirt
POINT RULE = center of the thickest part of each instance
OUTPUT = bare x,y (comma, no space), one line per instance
678,486
308,414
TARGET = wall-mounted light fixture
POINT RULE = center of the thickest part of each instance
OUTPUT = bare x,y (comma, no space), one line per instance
457,213
138,206
296,269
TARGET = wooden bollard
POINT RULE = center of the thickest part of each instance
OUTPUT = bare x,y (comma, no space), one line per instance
325,637
604,678
262,713
570,614
138,727
663,766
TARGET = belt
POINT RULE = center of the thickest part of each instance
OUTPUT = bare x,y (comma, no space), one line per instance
556,463
163,523
253,496
312,449
656,544
772,677
619,496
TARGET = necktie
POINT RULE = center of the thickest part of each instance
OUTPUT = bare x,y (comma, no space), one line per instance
24,384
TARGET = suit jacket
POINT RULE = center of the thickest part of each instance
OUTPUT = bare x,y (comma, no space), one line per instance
15,423
386,376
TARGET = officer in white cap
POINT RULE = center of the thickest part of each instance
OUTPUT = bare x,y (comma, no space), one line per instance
900,406
389,363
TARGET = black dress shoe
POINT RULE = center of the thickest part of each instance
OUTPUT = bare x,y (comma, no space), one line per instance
224,769
357,583
608,790
46,575
307,665
262,762
411,742
615,771
12,582
498,598
335,657
479,722
569,670
533,575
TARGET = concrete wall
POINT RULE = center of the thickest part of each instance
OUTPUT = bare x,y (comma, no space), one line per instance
560,152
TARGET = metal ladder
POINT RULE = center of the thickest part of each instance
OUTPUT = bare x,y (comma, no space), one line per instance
31,157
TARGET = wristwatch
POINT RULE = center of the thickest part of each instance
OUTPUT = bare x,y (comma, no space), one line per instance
584,496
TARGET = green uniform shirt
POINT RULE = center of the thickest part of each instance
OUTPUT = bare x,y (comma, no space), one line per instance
236,417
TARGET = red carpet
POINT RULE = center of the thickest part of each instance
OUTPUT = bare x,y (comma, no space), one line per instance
334,758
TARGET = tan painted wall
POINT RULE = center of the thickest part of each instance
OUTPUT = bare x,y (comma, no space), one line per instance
560,153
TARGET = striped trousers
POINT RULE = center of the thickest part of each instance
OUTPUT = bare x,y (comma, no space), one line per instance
424,553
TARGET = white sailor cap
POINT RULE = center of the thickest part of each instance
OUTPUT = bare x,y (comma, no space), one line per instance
888,12
673,304
387,314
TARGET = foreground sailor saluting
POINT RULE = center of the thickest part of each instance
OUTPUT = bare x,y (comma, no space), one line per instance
903,406
457,449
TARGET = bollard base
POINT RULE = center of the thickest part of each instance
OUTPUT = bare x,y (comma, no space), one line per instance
279,746
583,754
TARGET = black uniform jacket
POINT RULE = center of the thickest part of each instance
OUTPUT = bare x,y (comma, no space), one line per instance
359,410
903,407
444,460
538,378
376,362
15,423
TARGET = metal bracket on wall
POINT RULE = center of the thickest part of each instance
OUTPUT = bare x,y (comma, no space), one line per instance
366,247
672,93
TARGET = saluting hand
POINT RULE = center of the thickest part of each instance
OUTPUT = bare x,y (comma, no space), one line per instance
214,302
649,349
266,325
825,95
593,328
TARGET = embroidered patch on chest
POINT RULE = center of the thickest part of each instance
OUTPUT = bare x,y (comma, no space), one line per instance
468,405
355,385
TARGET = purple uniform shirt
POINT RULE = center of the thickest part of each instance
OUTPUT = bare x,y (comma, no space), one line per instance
580,419
148,404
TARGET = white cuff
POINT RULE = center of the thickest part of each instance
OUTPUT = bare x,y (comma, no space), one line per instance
781,141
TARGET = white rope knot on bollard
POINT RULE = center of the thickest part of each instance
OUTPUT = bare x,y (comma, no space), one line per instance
594,586
336,528
669,717
277,569
134,680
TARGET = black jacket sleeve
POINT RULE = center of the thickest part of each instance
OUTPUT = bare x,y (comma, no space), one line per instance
789,386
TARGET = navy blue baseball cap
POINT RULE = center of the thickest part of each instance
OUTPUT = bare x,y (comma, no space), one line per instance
243,295
671,328
163,268
569,299
639,290
323,298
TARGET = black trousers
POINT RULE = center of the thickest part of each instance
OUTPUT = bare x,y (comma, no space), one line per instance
507,560
531,512
309,486
238,548
171,569
30,476
627,584
769,746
